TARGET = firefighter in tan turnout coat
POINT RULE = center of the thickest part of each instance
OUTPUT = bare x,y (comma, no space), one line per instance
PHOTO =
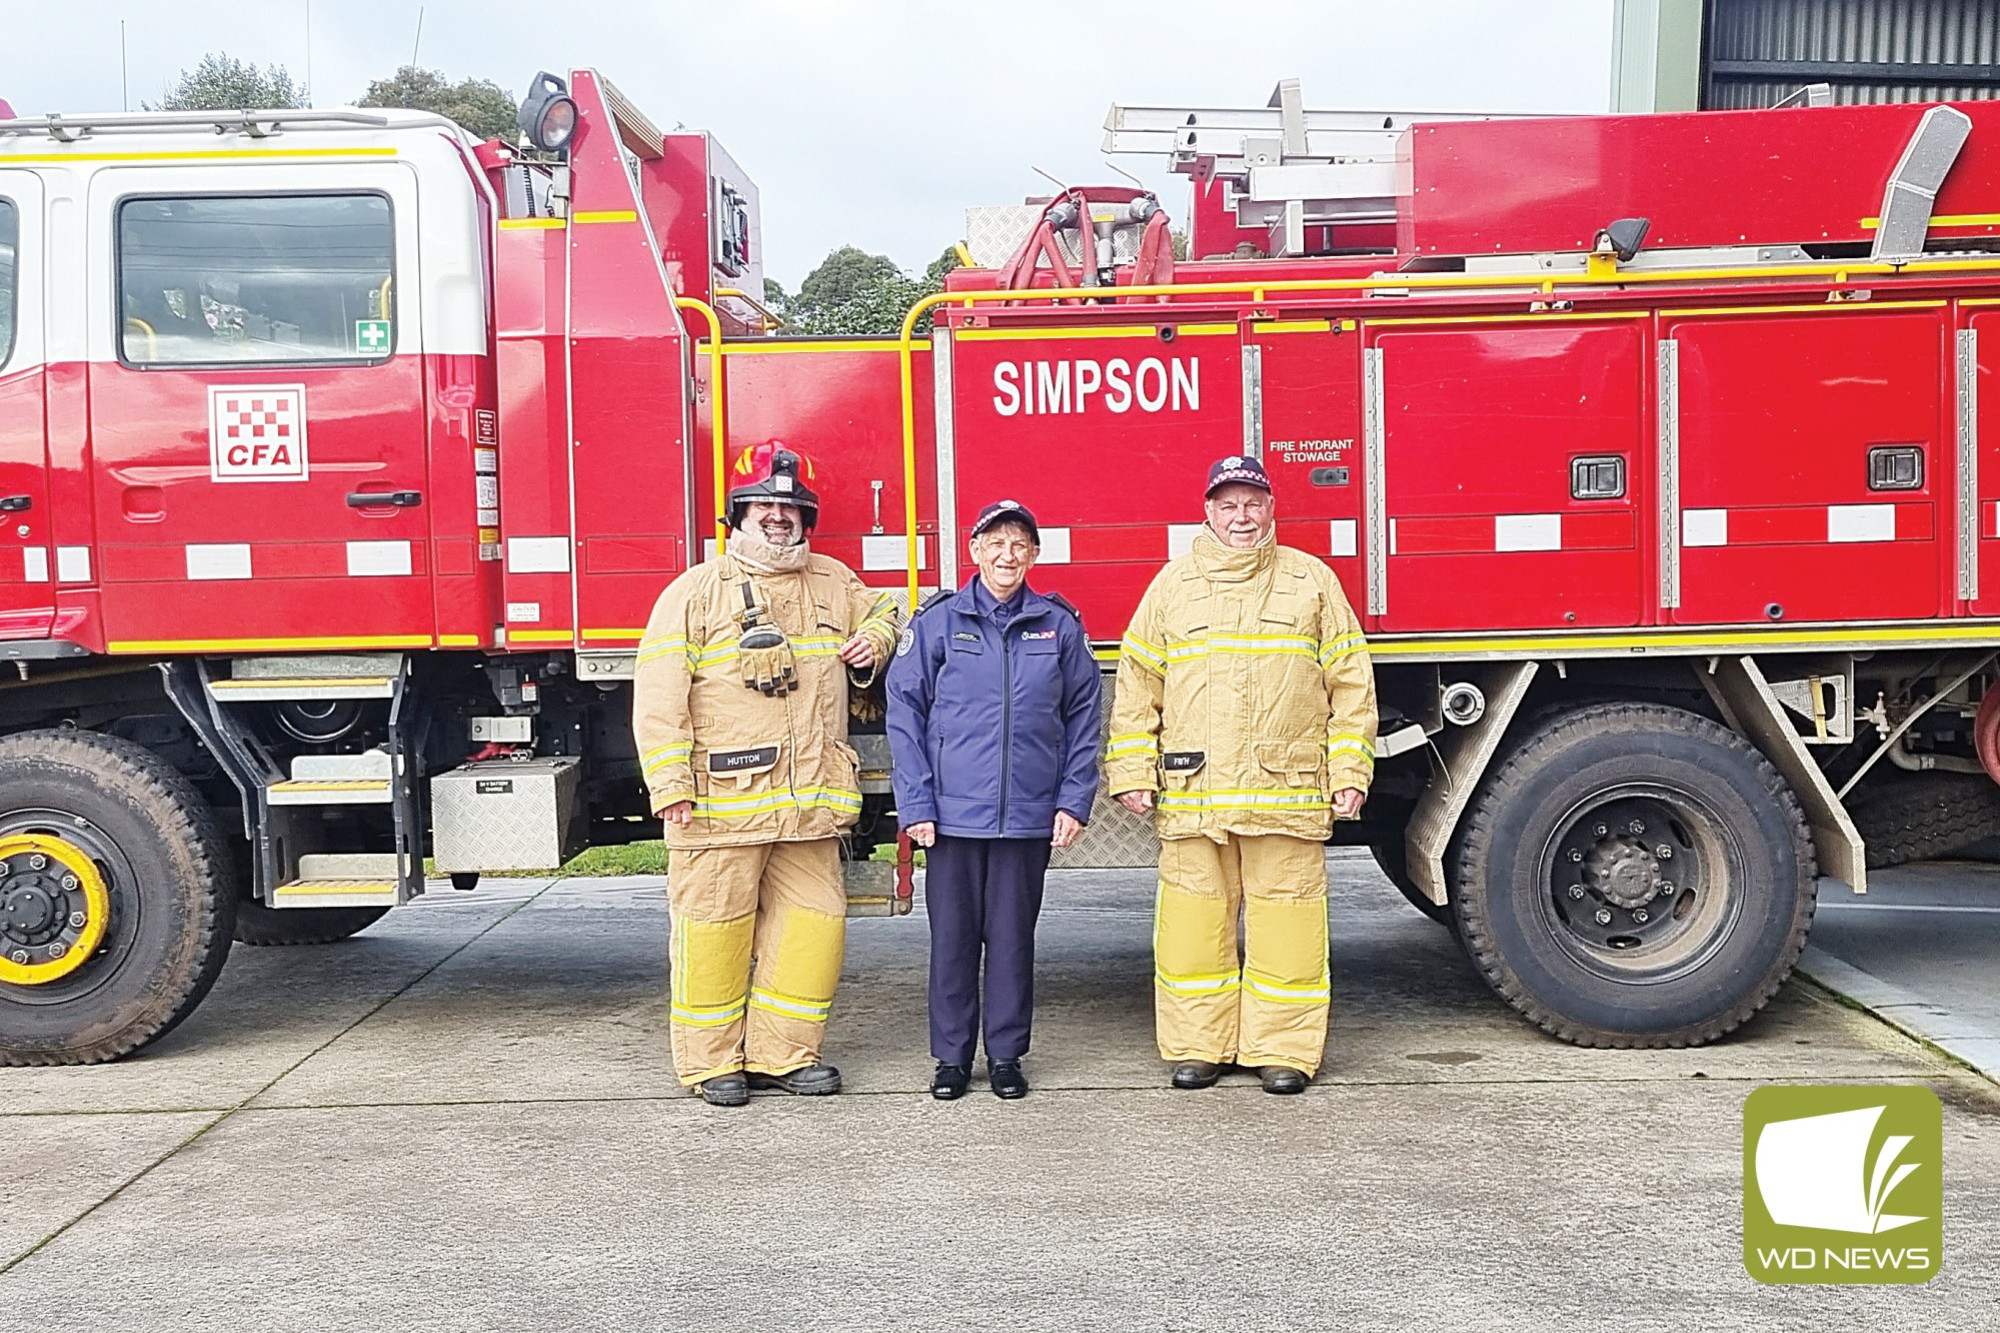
1245,713
740,710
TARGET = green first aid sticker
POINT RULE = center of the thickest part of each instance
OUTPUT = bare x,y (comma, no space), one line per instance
371,337
1843,1184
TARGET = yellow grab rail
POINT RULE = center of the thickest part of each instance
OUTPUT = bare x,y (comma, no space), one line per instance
771,318
1547,282
718,420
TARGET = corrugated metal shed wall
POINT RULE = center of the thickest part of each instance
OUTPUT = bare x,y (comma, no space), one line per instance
1868,50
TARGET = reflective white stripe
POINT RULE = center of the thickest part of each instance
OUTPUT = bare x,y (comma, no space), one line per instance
1349,745
1286,994
666,754
228,560
1145,654
1148,745
377,559
1180,538
786,1004
1527,532
1335,649
713,1016
1242,800
73,564
1704,527
538,555
1341,538
764,803
35,564
1861,523
1211,983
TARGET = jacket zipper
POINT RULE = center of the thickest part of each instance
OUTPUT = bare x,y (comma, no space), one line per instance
1006,725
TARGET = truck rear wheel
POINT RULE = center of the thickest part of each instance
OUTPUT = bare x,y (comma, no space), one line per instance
259,925
116,901
1634,875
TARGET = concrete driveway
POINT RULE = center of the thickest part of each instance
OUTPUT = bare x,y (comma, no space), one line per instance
464,1119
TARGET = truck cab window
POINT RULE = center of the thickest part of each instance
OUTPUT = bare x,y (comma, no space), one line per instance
247,281
10,246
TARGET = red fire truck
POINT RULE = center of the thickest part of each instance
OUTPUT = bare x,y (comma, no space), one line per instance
343,457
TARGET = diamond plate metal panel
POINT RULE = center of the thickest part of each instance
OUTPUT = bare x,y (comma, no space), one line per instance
1115,836
505,815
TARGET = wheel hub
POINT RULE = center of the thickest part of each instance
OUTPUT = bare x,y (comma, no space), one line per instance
1623,871
54,908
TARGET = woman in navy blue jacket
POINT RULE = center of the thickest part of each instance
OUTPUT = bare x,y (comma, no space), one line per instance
993,721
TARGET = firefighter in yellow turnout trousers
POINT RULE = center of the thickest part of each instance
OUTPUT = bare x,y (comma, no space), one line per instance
740,710
1246,702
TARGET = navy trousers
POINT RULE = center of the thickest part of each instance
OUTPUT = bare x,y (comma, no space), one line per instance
983,895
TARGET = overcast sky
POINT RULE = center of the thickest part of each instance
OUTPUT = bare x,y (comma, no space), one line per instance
865,122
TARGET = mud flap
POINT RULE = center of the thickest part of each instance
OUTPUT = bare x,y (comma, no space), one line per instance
1462,753
1746,701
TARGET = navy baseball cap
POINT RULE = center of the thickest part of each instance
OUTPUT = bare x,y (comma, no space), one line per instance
1008,511
1236,467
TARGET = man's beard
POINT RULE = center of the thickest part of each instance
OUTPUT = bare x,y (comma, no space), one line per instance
781,534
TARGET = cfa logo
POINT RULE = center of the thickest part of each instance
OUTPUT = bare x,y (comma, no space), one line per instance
257,432
1843,1184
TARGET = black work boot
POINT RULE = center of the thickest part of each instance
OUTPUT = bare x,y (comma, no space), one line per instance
949,1081
1009,1083
1282,1079
812,1081
1196,1074
726,1090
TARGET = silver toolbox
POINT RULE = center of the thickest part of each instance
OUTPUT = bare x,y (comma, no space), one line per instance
506,814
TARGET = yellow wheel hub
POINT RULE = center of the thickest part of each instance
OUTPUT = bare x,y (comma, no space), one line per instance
54,907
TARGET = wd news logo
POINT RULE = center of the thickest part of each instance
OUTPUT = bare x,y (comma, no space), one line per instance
1843,1184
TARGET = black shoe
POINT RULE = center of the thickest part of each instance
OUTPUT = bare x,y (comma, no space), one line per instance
726,1090
949,1081
1009,1083
1282,1079
812,1081
1196,1074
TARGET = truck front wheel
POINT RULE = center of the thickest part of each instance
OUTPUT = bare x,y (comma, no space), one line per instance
116,898
1633,875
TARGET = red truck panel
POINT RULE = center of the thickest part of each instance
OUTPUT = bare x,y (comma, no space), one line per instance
1704,178
1778,412
1482,425
841,403
1106,434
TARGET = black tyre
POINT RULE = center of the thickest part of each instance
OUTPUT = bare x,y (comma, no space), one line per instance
116,902
1393,859
1633,875
260,925
1907,817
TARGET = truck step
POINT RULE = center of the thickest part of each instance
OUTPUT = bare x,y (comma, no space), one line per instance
329,791
256,690
335,893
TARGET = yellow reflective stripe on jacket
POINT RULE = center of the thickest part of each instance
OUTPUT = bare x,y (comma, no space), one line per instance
813,1011
1334,649
1354,745
1244,645
765,802
1138,742
1283,992
1198,983
661,648
717,653
884,613
1148,655
1279,799
671,753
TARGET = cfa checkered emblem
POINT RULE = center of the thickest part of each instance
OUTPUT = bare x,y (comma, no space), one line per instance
257,432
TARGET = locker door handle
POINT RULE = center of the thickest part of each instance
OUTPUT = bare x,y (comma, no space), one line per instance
374,499
14,504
